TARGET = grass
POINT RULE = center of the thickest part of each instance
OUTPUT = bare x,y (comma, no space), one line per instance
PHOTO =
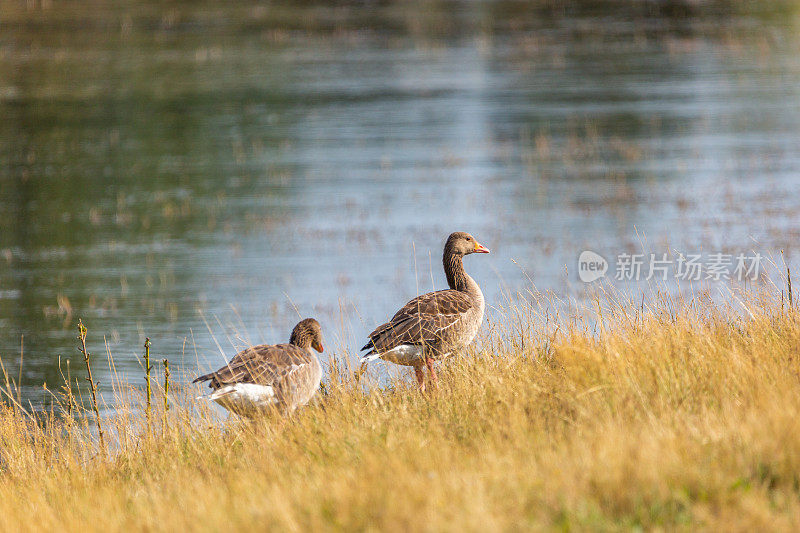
684,414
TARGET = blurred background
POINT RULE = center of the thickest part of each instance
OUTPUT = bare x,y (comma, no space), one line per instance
205,173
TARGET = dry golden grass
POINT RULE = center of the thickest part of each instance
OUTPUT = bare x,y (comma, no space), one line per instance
684,416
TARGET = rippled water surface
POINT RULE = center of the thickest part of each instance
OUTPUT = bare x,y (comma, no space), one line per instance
202,173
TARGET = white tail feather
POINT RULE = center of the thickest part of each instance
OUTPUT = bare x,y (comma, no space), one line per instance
370,357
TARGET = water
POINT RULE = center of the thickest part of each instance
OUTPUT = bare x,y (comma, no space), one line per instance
203,173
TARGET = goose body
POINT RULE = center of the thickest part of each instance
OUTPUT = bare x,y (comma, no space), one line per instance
268,377
434,325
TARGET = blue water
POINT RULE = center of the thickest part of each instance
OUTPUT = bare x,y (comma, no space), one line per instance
205,174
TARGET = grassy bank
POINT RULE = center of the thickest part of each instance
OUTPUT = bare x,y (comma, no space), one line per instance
685,414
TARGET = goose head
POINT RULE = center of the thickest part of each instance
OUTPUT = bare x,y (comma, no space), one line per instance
462,243
307,333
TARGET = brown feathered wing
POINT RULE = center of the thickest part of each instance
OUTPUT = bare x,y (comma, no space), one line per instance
284,367
422,321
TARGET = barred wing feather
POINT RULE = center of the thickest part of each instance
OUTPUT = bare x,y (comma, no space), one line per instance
421,321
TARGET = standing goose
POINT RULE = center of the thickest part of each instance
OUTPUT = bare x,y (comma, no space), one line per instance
431,326
270,376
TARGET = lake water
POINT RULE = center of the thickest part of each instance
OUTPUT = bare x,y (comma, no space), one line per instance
203,173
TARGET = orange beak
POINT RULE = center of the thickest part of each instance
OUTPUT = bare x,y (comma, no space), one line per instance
318,347
480,249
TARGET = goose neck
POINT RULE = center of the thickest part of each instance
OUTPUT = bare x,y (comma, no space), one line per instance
457,277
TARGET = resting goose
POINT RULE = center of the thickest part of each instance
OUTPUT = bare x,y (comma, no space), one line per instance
431,326
270,376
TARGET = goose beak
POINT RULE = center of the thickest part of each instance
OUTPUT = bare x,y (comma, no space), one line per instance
480,249
318,347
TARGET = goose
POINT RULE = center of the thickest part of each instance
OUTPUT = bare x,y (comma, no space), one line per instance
433,325
270,376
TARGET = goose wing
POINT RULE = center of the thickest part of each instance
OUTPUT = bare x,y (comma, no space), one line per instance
423,320
278,365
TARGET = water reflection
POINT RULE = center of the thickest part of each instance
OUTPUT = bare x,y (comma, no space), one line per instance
174,170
